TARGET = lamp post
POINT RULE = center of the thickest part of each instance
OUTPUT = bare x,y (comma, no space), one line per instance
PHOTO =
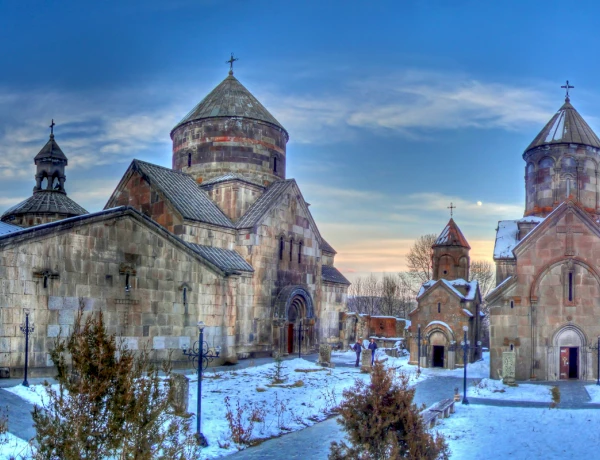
597,349
202,354
300,330
466,346
419,348
26,329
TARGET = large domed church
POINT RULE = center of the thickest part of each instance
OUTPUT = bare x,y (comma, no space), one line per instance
223,237
546,306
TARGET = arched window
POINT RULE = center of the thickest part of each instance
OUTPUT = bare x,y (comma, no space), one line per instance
189,159
127,285
185,295
274,164
281,247
291,248
439,307
300,252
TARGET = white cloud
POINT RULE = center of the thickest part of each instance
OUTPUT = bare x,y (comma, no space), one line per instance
407,103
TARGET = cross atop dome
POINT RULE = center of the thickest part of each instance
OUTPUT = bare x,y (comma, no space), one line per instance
565,86
232,60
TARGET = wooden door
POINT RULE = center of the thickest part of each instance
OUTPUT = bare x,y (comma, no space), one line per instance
290,337
573,362
564,362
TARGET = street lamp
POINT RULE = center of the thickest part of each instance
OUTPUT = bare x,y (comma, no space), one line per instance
466,346
26,329
201,353
419,349
597,349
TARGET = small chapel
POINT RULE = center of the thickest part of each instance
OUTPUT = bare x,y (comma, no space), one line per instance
448,306
223,236
545,309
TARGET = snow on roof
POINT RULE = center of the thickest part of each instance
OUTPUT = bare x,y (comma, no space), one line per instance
507,236
470,286
499,286
467,312
441,323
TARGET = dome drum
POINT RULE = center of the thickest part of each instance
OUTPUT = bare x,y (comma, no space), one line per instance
211,147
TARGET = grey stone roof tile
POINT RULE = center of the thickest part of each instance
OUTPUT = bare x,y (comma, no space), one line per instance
229,177
46,202
325,246
50,150
264,203
566,127
184,194
333,275
225,259
230,99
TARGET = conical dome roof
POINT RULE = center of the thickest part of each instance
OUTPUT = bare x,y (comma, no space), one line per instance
230,99
51,150
566,127
451,236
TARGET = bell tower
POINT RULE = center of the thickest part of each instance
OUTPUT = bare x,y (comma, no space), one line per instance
450,254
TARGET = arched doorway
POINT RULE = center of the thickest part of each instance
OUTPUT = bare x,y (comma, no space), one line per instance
570,359
438,344
295,320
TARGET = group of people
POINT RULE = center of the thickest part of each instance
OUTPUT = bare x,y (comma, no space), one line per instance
358,347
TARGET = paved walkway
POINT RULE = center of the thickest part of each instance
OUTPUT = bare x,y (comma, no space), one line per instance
315,439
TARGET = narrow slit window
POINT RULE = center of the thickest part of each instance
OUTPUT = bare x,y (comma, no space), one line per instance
300,252
189,160
291,249
439,307
512,304
274,164
570,286
127,286
185,296
281,245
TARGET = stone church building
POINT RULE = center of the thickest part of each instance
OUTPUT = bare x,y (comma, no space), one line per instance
446,305
546,305
222,237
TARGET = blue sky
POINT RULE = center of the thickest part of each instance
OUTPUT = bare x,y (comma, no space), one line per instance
394,109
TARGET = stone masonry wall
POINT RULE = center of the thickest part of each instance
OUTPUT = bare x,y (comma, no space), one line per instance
216,146
89,264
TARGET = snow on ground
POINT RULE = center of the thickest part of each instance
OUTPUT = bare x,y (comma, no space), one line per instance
480,432
33,394
495,389
12,447
594,392
280,409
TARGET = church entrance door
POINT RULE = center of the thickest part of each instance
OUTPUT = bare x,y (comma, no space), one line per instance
290,339
438,356
569,357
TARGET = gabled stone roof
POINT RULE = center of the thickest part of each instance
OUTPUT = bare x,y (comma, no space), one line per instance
230,99
46,202
325,246
566,127
227,260
333,275
6,228
264,203
451,236
51,150
183,193
229,177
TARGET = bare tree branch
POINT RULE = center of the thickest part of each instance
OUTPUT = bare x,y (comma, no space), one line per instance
419,257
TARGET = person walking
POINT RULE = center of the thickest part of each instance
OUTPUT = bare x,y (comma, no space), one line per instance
357,347
372,347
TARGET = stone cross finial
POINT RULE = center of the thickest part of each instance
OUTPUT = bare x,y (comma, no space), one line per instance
52,127
567,87
451,208
230,62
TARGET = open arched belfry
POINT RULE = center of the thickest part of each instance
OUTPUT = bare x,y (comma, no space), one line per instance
546,305
223,237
